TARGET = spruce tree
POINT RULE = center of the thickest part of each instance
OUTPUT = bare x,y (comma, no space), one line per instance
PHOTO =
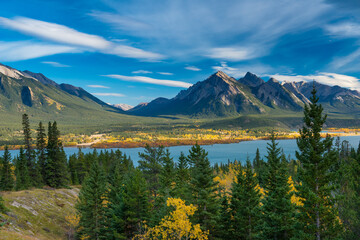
278,210
245,205
318,215
3,209
35,178
41,150
260,167
128,205
91,205
21,171
151,166
6,175
182,178
203,188
56,165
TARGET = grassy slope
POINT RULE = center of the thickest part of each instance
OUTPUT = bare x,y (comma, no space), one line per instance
38,213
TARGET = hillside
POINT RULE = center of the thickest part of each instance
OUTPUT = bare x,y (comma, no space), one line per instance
38,214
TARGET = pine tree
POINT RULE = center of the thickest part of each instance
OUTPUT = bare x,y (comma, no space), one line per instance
260,167
245,205
128,205
182,178
56,165
35,178
225,221
278,211
21,170
349,179
91,205
41,150
6,176
318,215
151,165
203,188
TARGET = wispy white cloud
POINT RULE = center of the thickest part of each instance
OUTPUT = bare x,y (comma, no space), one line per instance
62,34
192,68
24,50
97,86
223,31
235,54
56,64
170,83
141,72
109,94
166,73
331,79
344,29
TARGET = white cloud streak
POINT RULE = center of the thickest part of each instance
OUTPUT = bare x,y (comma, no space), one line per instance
170,83
331,79
24,50
56,64
192,68
141,72
97,86
109,94
235,54
85,42
344,29
166,73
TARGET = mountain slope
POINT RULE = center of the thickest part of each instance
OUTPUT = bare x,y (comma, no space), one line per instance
218,95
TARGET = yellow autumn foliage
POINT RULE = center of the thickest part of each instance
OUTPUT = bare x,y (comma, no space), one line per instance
176,225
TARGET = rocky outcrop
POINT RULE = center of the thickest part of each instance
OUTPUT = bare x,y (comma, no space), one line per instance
27,96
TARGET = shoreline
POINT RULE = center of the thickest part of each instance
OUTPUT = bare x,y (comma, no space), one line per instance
181,142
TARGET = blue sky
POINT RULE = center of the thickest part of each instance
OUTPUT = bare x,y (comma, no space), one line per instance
134,51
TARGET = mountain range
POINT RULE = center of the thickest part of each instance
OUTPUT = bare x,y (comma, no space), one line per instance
221,95
217,96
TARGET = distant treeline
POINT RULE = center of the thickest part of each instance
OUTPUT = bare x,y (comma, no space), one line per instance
315,196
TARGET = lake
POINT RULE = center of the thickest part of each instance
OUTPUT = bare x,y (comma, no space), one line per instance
218,153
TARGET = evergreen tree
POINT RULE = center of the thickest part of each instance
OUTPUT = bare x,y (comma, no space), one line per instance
182,178
349,179
56,165
278,211
41,150
260,167
128,205
245,205
151,166
91,205
225,221
318,215
35,178
203,188
21,170
6,176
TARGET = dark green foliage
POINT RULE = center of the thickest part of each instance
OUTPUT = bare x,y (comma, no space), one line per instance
41,150
203,188
278,211
245,205
318,217
21,171
224,226
56,165
349,179
3,209
260,167
91,207
182,178
151,166
35,177
6,177
129,205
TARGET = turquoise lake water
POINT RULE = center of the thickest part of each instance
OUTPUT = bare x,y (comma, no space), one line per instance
217,153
